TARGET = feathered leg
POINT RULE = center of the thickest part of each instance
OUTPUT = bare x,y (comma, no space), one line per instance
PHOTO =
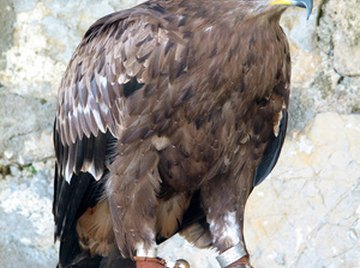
224,202
133,184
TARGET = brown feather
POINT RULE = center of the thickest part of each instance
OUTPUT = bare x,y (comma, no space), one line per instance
197,235
95,230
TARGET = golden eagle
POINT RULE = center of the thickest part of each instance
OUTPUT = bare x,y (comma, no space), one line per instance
168,115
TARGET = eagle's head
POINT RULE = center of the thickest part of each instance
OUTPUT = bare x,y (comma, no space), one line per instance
267,6
308,4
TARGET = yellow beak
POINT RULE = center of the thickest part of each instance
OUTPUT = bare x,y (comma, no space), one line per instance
281,2
308,4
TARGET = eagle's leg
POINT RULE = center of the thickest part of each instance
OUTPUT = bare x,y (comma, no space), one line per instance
133,184
224,203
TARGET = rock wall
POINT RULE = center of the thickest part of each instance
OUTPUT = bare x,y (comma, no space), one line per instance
306,215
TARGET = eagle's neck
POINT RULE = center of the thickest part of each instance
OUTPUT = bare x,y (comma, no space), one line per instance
235,12
231,12
235,48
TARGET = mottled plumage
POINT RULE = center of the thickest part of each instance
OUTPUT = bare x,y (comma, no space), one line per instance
168,115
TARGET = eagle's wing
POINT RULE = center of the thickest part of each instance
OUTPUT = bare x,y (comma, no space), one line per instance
272,151
117,57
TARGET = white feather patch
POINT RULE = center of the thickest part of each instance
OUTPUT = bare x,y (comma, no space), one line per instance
90,167
68,172
141,251
208,29
103,81
98,121
230,230
123,79
160,143
276,128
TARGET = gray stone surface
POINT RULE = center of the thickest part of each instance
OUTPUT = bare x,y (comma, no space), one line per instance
305,215
7,18
25,129
26,226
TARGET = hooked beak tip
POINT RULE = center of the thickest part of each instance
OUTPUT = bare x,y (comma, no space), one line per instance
307,4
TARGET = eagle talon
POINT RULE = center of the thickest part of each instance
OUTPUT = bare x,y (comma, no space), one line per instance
181,263
148,262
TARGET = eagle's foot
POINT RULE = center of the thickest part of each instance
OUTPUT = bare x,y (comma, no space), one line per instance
149,262
241,263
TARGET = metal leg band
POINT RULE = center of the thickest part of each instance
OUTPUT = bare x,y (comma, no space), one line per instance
231,255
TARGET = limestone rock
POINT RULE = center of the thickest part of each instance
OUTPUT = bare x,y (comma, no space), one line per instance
7,18
306,214
26,226
338,42
346,36
25,129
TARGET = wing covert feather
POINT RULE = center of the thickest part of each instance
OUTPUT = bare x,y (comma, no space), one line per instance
113,52
119,55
